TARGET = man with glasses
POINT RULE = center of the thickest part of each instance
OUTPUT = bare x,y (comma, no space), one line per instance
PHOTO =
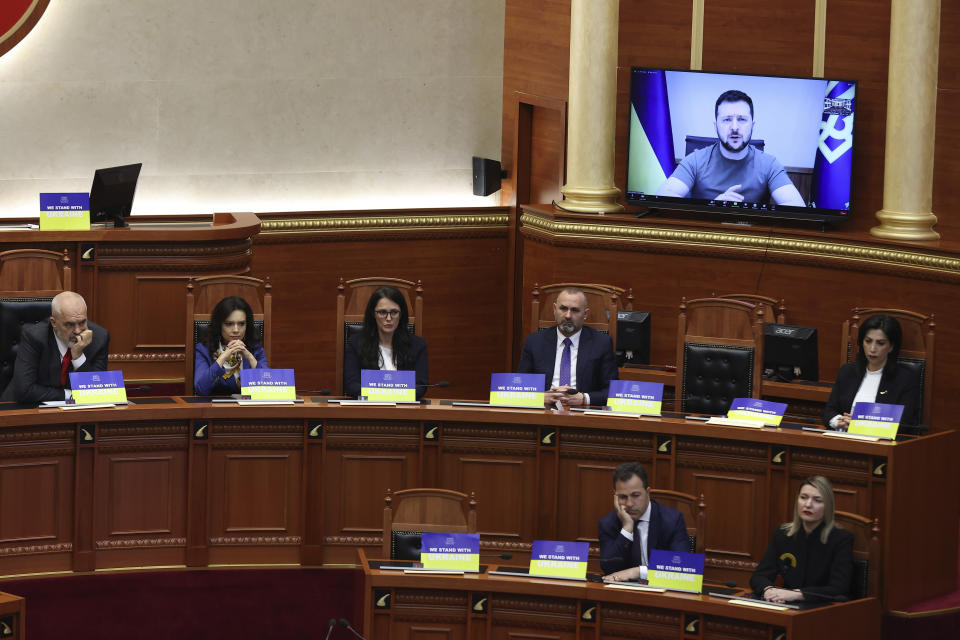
577,360
48,353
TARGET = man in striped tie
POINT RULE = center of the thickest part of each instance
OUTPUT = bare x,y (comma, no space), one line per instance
578,361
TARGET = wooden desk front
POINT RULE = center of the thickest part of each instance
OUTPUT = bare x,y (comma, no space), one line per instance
399,605
183,484
12,621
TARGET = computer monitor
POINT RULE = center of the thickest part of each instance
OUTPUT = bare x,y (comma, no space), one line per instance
111,195
790,352
633,337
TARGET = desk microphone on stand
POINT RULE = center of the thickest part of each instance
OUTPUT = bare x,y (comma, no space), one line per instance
330,626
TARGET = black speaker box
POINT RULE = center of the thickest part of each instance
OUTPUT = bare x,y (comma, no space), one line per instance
486,176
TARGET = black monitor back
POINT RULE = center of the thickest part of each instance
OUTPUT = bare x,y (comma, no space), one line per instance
111,195
633,337
790,352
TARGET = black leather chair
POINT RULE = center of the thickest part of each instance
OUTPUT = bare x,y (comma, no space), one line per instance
719,353
14,314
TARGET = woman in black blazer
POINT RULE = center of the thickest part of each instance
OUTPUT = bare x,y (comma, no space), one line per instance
385,343
812,554
875,376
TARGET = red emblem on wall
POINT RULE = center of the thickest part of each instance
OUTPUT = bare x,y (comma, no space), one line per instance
17,18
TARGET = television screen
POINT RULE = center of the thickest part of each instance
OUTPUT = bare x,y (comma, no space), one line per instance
111,195
744,145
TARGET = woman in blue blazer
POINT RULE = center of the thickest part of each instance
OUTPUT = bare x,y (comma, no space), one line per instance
230,345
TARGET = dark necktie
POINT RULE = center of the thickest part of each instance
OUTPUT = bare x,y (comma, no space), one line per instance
565,363
64,367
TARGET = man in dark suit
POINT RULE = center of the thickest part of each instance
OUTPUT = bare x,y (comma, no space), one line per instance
573,357
49,352
636,525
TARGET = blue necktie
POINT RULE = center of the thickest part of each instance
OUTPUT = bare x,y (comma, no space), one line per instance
565,363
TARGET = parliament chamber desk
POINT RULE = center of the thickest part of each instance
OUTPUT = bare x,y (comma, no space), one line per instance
185,482
452,607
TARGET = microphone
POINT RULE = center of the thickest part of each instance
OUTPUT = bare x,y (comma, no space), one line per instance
346,623
145,388
440,385
330,625
506,555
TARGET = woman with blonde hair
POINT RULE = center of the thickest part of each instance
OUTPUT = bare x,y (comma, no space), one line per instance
812,554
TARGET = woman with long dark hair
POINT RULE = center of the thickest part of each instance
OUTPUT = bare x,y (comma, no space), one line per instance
385,343
813,554
230,345
875,376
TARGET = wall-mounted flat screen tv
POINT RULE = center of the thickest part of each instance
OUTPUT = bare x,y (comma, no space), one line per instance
742,145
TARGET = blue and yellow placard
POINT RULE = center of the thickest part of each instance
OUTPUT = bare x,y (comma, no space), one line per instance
757,410
268,384
559,559
94,387
876,419
517,389
450,551
64,211
632,396
388,386
675,570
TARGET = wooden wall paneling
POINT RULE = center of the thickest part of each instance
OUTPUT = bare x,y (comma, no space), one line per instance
140,494
548,491
499,464
311,553
430,439
732,478
83,486
37,499
462,268
362,460
521,616
420,615
946,198
780,42
917,493
857,47
197,492
254,511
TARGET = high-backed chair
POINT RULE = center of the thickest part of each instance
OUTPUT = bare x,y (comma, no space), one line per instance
410,512
602,300
29,279
916,351
39,272
719,353
204,293
866,553
694,513
352,298
774,310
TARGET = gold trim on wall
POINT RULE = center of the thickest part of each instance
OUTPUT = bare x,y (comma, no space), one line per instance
840,253
696,36
375,223
819,37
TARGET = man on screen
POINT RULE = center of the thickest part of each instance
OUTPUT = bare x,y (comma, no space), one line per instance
579,362
49,352
636,525
732,170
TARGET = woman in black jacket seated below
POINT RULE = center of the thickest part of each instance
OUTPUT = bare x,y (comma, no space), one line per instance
385,343
875,376
814,555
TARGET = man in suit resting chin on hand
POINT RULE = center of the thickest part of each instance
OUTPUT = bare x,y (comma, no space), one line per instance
573,357
48,353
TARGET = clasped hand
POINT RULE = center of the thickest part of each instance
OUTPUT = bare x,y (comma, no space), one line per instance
233,348
79,343
560,394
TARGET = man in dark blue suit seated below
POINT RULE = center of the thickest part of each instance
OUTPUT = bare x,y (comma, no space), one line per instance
573,357
636,525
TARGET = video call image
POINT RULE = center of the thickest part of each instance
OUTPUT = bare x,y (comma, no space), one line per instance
760,143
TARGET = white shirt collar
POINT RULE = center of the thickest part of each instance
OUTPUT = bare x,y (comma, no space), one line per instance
645,516
574,339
